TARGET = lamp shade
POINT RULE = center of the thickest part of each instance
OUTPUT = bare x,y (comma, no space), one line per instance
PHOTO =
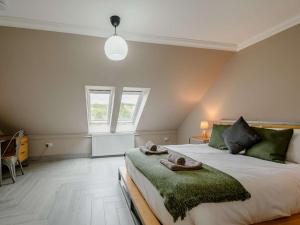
116,48
204,125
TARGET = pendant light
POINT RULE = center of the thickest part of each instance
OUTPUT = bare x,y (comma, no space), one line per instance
115,47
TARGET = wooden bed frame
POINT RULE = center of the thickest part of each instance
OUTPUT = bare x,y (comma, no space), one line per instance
262,124
142,213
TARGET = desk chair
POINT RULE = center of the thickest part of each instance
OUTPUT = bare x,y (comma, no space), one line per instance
11,161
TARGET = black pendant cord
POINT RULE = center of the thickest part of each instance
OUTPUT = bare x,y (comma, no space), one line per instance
115,30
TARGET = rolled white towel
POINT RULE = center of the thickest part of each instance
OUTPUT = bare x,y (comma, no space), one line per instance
151,146
177,159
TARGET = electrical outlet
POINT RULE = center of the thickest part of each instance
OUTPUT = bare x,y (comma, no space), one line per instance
49,145
166,139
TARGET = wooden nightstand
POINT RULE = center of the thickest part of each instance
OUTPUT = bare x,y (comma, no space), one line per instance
198,140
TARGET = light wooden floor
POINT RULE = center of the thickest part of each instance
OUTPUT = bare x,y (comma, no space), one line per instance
73,191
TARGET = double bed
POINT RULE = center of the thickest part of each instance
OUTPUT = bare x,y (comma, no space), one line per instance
274,188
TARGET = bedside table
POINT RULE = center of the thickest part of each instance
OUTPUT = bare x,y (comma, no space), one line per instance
198,140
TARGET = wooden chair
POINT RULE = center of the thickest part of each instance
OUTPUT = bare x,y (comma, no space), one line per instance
11,161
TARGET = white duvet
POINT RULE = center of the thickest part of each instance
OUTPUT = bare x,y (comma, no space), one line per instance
274,188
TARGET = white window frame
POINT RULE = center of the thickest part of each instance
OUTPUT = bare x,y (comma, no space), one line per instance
104,90
130,126
113,123
137,106
109,106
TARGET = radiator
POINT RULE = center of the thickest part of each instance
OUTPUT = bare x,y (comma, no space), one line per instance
111,144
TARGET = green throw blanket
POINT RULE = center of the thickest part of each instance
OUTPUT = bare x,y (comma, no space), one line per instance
183,190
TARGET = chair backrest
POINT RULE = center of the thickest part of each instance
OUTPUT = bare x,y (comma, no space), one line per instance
18,142
18,136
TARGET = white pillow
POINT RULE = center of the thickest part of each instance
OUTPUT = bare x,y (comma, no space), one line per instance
293,153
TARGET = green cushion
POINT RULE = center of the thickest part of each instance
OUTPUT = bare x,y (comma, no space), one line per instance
273,146
216,139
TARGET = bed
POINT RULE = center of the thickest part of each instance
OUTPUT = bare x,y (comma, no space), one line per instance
274,188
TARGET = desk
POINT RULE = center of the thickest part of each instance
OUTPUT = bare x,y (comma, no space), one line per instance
23,151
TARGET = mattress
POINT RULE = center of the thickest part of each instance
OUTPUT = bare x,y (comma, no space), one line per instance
274,188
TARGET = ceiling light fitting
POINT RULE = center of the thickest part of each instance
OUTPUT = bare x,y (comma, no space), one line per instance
115,47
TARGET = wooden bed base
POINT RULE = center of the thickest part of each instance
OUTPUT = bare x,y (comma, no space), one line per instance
140,210
143,215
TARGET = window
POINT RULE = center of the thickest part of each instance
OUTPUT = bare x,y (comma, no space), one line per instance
99,108
109,110
100,102
132,104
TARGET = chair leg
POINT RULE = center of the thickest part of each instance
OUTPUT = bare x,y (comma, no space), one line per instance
21,167
12,171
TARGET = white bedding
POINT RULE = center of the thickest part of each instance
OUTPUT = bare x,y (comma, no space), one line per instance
274,188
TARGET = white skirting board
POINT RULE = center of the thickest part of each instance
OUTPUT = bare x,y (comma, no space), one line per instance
111,144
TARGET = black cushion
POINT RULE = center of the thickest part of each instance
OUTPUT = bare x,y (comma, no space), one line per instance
240,136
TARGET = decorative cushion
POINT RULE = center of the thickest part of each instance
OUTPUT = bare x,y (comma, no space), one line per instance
240,136
274,145
216,139
293,152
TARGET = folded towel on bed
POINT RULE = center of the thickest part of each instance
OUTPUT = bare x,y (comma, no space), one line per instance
177,159
151,146
160,150
188,165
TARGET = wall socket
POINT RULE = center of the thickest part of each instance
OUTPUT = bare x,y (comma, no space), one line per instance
166,139
49,145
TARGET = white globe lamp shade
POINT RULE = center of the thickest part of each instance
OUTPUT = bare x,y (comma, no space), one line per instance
116,48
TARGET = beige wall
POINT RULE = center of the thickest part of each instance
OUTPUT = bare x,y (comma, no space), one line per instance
159,137
80,145
261,82
42,78
43,74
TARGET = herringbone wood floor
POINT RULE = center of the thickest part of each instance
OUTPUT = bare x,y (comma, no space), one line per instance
73,191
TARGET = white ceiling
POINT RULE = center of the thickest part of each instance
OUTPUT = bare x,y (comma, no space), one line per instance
219,24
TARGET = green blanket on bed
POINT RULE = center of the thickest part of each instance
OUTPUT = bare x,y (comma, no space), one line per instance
183,190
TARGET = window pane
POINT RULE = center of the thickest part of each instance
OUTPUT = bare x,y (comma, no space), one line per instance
128,107
99,106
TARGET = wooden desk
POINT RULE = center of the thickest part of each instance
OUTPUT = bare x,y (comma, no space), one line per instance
23,152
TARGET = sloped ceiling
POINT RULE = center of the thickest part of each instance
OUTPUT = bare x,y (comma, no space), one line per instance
43,74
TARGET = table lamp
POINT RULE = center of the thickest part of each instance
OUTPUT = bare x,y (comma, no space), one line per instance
204,127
